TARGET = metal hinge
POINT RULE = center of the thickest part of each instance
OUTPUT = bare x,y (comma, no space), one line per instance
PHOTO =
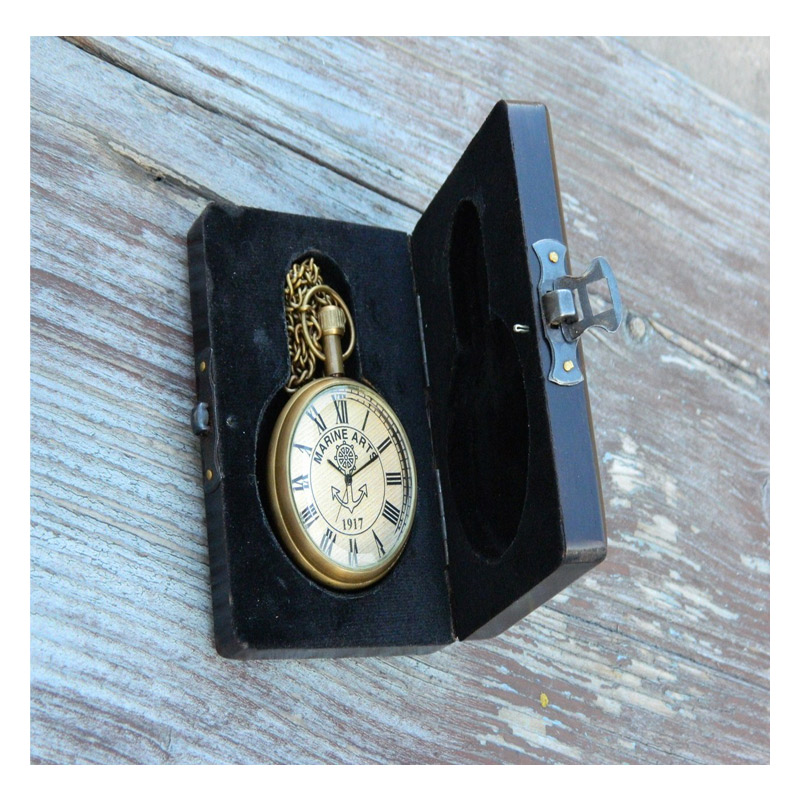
567,308
204,424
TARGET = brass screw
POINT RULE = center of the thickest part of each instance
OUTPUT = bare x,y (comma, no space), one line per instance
568,366
202,366
553,256
209,474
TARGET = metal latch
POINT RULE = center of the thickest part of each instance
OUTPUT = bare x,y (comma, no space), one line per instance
567,308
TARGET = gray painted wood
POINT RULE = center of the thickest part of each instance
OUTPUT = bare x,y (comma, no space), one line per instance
659,655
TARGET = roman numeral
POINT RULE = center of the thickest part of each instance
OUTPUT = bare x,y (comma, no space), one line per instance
326,545
394,479
352,556
303,449
366,417
379,543
300,482
384,444
317,418
309,514
341,412
392,513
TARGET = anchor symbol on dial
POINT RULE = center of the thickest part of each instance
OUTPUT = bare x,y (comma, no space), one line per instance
345,462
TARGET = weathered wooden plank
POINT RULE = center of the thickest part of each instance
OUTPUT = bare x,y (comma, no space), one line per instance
671,185
169,138
660,655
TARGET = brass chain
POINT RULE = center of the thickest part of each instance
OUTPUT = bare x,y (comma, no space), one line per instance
304,295
302,277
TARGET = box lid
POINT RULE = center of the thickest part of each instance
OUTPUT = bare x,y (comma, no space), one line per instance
514,450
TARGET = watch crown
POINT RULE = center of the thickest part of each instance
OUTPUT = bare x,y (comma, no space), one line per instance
332,321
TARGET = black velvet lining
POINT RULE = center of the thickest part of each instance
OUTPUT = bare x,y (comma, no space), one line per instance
264,605
487,431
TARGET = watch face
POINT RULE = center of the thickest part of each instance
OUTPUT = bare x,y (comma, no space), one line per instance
351,484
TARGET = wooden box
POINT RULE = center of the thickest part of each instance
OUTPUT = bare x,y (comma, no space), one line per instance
452,332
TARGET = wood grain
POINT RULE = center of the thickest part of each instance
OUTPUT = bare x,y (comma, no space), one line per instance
642,154
660,655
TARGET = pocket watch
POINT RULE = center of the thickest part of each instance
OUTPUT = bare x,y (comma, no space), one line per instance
341,479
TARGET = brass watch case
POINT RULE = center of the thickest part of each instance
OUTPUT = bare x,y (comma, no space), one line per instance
287,521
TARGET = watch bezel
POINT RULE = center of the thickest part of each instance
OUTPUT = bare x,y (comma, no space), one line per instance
287,523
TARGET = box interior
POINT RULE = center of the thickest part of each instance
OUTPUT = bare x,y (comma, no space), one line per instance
272,607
